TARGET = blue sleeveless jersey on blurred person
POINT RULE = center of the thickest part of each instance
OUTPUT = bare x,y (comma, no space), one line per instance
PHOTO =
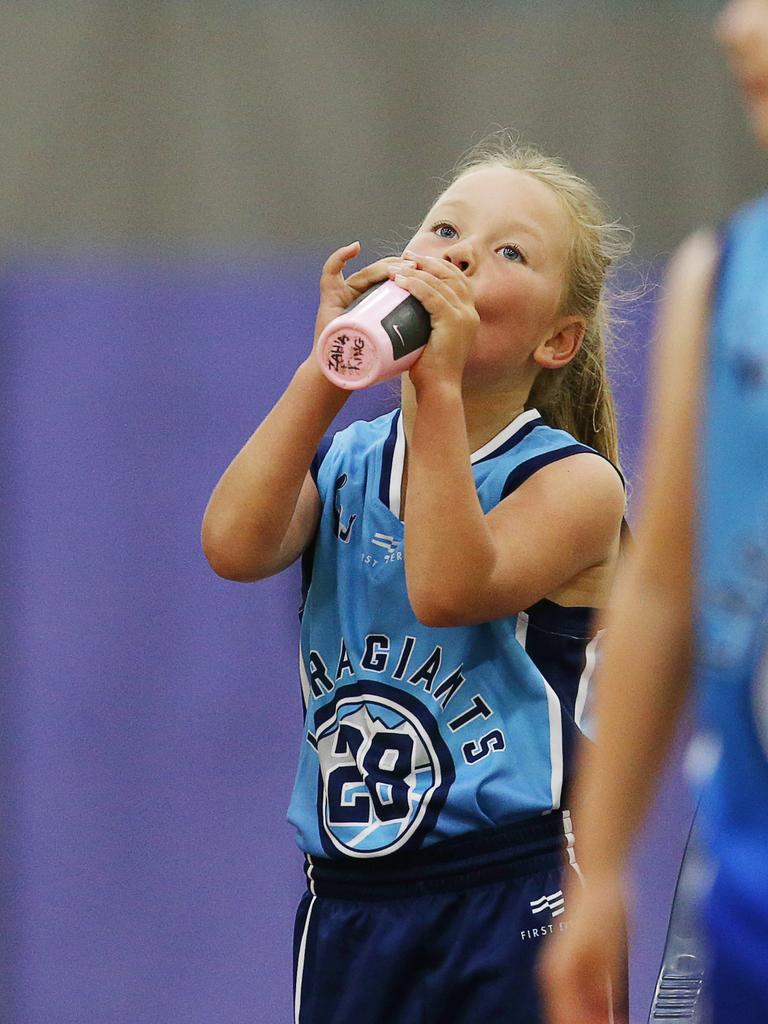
732,623
415,735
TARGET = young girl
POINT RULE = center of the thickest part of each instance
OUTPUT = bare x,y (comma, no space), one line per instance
693,606
454,553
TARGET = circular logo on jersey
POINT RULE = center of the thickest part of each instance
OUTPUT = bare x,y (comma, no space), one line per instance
385,771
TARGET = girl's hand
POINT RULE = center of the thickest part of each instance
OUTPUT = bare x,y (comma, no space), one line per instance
336,293
446,294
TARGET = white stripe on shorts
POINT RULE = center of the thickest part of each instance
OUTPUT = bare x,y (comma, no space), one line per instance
570,842
300,963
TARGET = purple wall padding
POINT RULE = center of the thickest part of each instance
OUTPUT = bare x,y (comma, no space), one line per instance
150,716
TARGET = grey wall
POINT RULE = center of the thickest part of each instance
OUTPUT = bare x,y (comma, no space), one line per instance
223,123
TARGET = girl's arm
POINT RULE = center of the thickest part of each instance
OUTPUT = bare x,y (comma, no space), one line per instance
264,510
463,566
646,666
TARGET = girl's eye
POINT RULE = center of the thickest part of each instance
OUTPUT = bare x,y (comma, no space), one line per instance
445,230
511,252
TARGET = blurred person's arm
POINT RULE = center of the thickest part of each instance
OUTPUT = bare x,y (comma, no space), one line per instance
646,668
265,508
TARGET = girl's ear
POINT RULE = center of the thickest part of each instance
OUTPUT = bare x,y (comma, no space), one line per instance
559,349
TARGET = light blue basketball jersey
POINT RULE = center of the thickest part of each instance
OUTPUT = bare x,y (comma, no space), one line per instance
416,734
732,641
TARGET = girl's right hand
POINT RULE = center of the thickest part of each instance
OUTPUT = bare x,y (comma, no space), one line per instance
337,293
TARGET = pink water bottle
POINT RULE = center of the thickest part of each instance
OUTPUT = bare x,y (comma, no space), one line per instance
379,336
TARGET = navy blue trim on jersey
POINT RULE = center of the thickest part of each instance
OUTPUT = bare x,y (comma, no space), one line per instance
478,858
571,620
519,475
560,659
308,556
387,454
307,561
510,443
322,451
525,470
557,640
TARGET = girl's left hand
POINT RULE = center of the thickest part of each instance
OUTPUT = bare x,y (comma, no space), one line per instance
446,294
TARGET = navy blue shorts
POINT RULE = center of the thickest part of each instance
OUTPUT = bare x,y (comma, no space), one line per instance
449,935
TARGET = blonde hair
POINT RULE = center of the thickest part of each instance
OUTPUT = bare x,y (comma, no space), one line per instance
578,397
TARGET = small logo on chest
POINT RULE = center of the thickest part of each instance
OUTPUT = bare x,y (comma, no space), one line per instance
384,540
390,550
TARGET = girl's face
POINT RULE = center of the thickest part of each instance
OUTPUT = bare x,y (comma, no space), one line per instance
510,235
742,28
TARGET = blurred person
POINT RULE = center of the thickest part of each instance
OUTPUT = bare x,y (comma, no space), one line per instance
454,553
692,604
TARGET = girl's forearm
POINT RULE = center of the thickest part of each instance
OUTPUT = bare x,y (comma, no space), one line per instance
447,542
251,512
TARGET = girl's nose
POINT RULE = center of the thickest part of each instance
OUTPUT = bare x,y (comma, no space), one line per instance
460,255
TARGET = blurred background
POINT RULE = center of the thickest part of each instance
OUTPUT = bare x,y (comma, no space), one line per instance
172,175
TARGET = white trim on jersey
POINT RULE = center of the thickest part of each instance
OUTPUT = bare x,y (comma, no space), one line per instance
555,722
521,628
590,659
504,435
398,464
555,744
